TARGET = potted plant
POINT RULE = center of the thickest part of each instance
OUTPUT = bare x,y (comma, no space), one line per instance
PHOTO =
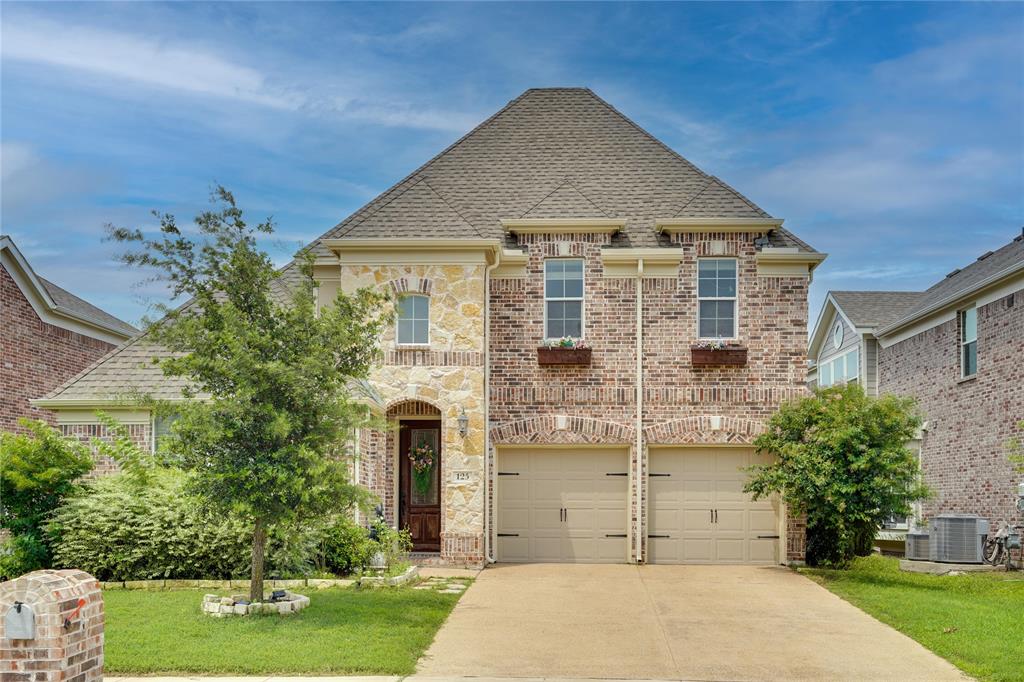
564,351
717,353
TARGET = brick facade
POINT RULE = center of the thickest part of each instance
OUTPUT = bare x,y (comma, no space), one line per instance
37,356
682,404
963,450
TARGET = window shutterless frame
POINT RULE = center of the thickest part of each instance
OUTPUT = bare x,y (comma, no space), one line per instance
412,320
968,320
567,294
719,297
840,369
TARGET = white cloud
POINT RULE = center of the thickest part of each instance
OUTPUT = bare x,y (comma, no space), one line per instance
29,181
195,69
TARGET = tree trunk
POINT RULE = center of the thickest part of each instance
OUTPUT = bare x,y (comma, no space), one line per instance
259,544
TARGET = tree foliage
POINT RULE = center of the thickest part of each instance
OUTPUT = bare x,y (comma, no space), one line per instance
841,458
264,423
1015,449
37,470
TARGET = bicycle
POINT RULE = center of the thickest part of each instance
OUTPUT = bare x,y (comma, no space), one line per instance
998,547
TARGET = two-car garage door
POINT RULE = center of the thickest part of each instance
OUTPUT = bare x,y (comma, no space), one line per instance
572,505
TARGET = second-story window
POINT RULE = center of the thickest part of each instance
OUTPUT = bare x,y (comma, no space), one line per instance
716,298
968,342
413,319
563,298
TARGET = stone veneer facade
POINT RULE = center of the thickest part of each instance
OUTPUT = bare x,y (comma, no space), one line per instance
964,448
439,379
37,356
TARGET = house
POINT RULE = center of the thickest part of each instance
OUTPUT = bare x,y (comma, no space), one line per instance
958,348
559,217
47,335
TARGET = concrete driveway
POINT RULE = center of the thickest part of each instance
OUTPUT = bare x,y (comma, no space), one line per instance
668,623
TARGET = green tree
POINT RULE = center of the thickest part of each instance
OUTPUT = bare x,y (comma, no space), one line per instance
263,426
841,459
38,469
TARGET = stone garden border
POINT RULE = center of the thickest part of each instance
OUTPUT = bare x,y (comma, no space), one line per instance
221,607
171,584
410,573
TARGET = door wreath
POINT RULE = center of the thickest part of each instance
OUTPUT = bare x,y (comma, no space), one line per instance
421,459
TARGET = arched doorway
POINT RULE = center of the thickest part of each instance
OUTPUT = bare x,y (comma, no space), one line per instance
419,472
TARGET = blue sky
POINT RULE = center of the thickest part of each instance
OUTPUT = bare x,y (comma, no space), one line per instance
888,135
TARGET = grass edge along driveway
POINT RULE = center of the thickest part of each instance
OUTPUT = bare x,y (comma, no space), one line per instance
343,631
974,620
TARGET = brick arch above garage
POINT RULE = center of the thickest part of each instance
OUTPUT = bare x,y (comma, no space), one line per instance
561,430
708,429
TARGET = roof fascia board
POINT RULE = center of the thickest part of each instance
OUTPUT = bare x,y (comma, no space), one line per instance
415,249
787,262
563,225
953,299
676,225
47,309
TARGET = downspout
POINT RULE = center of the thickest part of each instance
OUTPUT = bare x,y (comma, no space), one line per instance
639,406
487,406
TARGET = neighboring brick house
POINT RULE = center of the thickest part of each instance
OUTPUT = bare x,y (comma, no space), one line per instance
47,336
958,348
559,217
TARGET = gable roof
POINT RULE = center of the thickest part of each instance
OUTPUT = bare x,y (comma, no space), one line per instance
874,308
994,265
61,302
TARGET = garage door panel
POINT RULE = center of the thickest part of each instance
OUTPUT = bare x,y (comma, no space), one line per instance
514,519
680,506
575,480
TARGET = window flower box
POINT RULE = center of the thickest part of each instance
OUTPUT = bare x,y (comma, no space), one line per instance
567,351
716,354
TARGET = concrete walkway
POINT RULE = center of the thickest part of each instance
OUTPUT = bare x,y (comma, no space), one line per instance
667,623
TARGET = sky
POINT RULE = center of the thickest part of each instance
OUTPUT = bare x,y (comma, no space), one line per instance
890,136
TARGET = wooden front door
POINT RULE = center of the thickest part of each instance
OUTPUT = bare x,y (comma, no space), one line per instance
419,498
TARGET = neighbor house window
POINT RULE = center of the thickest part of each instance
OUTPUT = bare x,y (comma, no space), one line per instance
844,369
162,429
563,298
413,319
716,298
968,342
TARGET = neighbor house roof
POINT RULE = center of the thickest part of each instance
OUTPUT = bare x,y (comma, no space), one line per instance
550,153
962,282
874,308
60,302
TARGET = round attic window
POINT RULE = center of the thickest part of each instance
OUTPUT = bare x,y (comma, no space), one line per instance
837,336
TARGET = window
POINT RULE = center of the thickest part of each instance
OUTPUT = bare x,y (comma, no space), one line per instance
716,298
413,319
968,342
162,429
563,298
842,370
837,336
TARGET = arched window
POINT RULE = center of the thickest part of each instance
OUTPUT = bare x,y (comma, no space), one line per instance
413,319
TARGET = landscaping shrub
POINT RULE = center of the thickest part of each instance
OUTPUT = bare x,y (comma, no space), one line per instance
117,529
841,459
37,470
347,547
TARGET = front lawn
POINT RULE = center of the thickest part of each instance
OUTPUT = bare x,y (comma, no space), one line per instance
343,631
974,621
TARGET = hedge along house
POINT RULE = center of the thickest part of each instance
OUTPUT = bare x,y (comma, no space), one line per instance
559,217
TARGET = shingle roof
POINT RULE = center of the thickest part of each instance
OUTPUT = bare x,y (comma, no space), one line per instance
875,308
553,153
549,153
78,307
961,282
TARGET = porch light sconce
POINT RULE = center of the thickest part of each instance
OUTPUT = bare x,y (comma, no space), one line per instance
463,423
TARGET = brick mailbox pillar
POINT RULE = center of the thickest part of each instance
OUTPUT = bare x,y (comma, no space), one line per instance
56,634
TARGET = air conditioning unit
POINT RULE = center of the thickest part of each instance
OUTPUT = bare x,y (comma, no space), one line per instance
957,538
917,546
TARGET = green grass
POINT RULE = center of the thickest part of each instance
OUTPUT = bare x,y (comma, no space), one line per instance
343,631
975,621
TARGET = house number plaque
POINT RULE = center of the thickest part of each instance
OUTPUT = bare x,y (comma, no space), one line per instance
462,476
